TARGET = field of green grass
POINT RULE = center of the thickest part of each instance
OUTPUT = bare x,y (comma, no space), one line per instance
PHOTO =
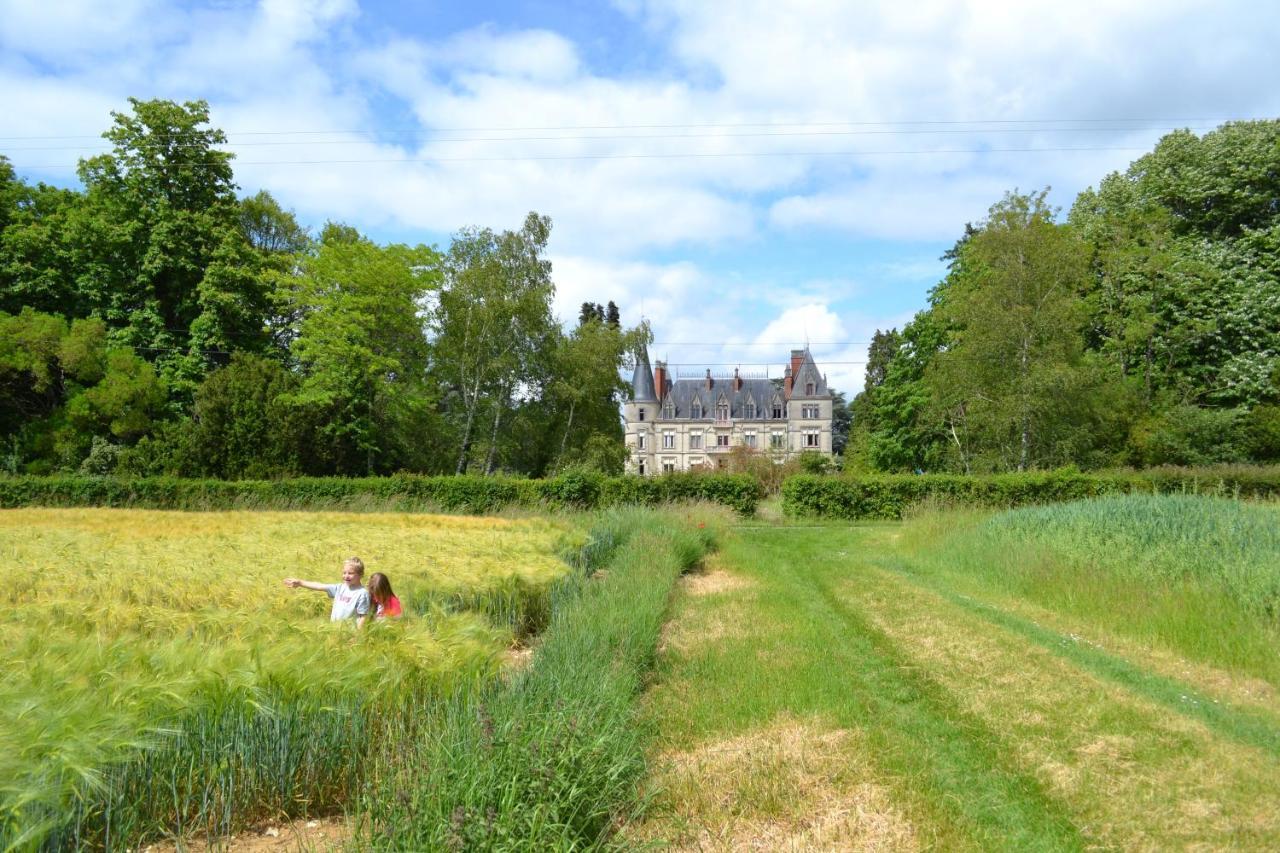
1091,675
161,680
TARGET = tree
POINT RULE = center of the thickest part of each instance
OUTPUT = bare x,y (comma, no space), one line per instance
494,324
1011,387
362,348
158,243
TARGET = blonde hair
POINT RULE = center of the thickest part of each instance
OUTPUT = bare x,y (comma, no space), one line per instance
355,563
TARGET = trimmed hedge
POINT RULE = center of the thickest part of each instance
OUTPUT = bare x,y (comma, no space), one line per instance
888,496
402,492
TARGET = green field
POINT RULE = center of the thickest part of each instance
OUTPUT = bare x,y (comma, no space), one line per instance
163,681
1098,674
1092,675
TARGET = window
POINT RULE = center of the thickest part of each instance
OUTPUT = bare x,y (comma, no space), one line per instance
751,409
642,413
810,412
642,469
776,440
668,440
640,441
722,440
722,411
808,389
777,408
668,467
695,441
749,439
669,410
811,438
697,409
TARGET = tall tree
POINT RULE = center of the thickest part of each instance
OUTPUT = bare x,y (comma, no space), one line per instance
494,324
1003,384
362,348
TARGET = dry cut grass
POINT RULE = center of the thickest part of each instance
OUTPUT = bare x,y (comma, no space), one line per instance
793,785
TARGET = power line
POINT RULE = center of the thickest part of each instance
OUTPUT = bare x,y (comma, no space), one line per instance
752,135
566,157
704,126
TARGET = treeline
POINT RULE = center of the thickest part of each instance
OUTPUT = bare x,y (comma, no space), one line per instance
156,323
1142,330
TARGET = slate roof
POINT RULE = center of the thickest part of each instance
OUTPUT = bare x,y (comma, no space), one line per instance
642,381
684,391
808,372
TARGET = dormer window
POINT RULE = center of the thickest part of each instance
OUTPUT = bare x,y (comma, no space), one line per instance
777,407
750,409
722,409
697,409
808,389
669,410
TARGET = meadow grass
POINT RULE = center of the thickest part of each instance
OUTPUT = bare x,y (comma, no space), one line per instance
1199,576
550,759
820,689
163,681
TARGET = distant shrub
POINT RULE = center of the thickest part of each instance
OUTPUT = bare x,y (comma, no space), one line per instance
575,489
889,496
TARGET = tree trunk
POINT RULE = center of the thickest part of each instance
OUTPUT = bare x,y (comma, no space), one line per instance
465,452
492,456
564,439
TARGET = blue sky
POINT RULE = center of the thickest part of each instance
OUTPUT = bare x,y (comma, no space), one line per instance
749,174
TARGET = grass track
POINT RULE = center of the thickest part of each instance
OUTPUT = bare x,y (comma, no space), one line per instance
973,726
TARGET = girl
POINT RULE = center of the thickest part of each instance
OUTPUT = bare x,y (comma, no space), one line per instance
388,606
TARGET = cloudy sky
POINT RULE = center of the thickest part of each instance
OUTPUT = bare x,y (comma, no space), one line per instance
749,175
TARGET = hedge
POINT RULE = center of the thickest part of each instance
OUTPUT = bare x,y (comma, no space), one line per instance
402,492
888,496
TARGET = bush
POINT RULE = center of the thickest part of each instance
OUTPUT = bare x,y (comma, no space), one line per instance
889,496
576,489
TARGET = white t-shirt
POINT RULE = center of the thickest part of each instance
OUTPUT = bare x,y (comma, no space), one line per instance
347,602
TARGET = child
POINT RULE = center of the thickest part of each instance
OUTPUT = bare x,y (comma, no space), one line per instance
350,599
388,606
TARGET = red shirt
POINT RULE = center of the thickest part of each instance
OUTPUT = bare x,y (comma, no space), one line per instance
390,609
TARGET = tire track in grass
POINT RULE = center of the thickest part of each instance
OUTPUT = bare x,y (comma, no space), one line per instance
1243,725
806,654
1134,774
967,764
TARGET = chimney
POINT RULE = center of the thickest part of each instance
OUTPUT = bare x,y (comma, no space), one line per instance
660,378
786,383
737,380
709,383
797,361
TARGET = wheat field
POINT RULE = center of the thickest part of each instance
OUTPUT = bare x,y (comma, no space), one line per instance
162,679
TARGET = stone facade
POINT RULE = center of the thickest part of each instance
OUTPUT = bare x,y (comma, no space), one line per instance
686,423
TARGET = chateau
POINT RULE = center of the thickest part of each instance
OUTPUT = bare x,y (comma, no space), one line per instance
686,423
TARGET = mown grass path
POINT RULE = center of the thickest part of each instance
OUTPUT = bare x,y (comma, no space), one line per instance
812,692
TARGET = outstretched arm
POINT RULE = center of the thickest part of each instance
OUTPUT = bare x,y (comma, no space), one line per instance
294,583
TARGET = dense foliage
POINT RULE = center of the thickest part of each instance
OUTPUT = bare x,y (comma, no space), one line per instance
1144,330
574,489
888,496
155,323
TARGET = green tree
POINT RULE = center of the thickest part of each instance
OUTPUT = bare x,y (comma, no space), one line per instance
495,332
158,249
1010,387
362,348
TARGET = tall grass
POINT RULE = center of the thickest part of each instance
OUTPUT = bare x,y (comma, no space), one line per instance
1199,575
162,681
551,759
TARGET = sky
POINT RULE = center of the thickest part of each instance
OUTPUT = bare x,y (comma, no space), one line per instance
747,176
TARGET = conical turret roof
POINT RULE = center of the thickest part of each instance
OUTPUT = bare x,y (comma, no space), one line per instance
642,390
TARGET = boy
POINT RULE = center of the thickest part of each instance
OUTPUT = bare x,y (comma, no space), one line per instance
350,598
